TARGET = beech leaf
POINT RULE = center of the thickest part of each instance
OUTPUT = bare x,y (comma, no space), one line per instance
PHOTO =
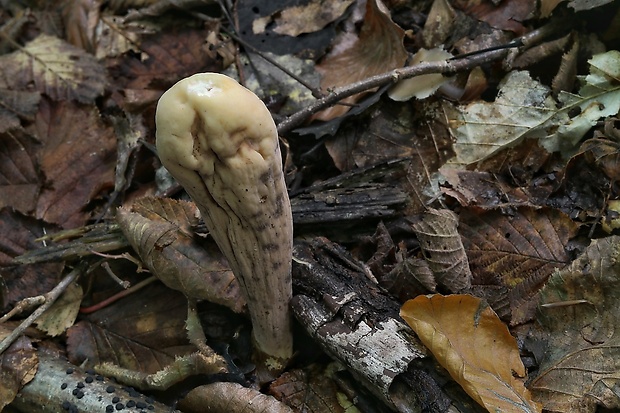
443,249
62,314
469,340
524,108
198,269
518,252
56,68
579,313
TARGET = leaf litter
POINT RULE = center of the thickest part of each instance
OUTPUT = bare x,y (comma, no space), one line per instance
509,209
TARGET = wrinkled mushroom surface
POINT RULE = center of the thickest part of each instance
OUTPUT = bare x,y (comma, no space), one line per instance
220,143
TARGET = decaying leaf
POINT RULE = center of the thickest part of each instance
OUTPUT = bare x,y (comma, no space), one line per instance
311,390
77,158
224,397
18,234
55,68
518,252
173,255
143,332
524,108
378,49
505,15
62,314
579,313
16,105
20,182
409,279
114,37
310,17
443,249
599,96
439,24
468,339
18,365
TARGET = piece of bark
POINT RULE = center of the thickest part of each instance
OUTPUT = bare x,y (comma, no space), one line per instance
357,322
346,205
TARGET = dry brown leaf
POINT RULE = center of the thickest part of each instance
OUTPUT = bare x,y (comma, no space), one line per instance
18,365
55,68
580,347
80,18
182,214
172,55
17,235
443,249
311,390
518,252
310,17
143,333
77,158
378,49
504,15
20,182
409,279
468,339
16,105
564,80
167,248
225,397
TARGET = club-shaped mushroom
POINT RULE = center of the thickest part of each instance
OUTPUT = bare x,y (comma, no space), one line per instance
219,141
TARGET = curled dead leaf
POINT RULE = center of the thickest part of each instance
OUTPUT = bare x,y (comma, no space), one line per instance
469,340
378,49
175,257
443,249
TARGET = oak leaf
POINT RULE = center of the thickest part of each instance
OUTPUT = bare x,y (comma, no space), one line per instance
468,339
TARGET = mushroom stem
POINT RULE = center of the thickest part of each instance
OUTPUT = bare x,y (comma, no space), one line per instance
220,143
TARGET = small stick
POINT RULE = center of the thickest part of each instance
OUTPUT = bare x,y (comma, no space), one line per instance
50,298
393,76
118,296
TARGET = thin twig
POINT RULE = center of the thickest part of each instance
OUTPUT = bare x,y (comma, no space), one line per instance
118,296
50,298
393,76
456,64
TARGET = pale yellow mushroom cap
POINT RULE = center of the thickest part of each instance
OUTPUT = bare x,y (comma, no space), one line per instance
232,115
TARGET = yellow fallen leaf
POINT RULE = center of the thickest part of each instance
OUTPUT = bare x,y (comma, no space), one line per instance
469,340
